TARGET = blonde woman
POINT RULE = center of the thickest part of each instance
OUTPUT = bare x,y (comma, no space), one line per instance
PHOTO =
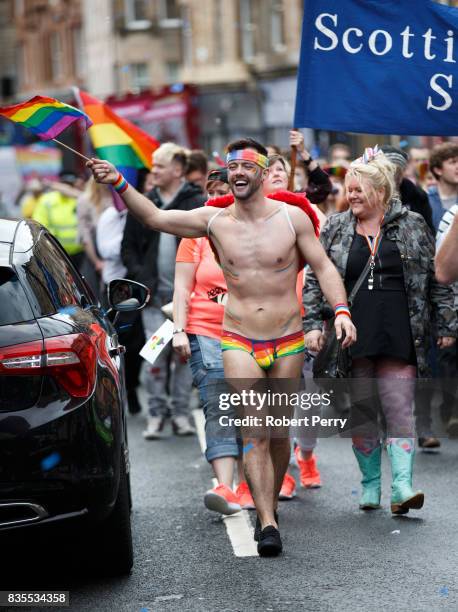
392,312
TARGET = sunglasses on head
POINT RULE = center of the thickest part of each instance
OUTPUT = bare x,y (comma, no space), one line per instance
218,175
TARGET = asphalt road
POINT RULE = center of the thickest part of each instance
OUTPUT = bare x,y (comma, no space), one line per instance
336,557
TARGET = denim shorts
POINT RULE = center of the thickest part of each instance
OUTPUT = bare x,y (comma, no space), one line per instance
208,376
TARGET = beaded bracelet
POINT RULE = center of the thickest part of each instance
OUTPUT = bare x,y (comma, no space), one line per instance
342,309
120,185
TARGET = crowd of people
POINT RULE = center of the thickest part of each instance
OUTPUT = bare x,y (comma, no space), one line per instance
248,279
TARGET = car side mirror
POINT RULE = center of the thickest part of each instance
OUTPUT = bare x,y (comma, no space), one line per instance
127,295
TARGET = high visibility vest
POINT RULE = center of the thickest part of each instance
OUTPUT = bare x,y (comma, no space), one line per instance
57,213
28,206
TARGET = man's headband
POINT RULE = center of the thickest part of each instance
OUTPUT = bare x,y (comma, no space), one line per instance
248,155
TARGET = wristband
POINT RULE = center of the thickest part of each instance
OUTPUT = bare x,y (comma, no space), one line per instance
307,162
177,331
120,185
342,309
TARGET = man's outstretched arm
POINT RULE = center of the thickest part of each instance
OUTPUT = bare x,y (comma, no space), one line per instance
326,273
446,258
188,224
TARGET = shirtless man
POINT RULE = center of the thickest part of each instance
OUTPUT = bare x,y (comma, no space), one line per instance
260,243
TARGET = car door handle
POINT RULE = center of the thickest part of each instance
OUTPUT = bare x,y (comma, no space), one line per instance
119,350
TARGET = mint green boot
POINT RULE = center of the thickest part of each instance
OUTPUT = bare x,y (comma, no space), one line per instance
371,481
402,495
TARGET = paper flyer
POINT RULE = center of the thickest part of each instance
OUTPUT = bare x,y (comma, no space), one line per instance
157,342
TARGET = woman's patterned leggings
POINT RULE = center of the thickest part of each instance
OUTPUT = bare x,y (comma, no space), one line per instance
382,386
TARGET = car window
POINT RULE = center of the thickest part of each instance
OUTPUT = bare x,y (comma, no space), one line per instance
14,306
65,272
51,278
63,286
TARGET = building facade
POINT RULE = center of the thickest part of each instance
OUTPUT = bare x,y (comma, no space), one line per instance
243,56
240,56
50,49
8,68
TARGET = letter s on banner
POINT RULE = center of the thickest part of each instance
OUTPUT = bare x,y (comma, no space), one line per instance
375,53
326,31
439,90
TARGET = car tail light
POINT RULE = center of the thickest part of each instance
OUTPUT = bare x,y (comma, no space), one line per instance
71,360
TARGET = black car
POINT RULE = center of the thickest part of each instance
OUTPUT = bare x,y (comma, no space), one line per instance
63,437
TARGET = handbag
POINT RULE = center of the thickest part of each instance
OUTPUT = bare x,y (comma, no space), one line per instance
333,361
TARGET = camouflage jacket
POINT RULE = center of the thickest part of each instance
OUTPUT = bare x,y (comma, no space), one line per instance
431,307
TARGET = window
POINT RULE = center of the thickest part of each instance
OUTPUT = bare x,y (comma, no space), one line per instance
52,279
170,14
14,306
277,26
247,27
56,56
172,72
136,14
170,9
139,76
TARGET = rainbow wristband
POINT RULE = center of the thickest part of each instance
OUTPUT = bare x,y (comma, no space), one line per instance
120,185
342,309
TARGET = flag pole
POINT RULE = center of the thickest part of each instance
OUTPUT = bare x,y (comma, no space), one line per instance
70,149
293,166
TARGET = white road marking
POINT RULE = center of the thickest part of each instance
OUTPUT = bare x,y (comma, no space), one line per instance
238,526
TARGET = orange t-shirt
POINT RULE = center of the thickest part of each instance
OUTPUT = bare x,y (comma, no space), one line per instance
206,307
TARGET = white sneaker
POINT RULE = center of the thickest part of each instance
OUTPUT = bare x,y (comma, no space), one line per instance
182,426
154,427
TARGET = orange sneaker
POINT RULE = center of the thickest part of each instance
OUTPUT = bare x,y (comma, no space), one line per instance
222,499
309,473
244,496
288,488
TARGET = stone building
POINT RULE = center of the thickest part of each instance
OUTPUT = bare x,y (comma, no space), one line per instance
241,56
8,66
50,50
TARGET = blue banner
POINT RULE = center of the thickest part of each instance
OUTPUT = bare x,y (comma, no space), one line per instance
379,67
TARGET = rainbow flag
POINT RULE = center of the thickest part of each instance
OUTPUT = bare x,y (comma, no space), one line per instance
45,117
38,160
337,171
116,139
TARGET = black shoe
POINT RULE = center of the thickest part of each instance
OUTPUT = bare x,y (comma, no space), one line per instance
269,544
429,442
132,402
257,529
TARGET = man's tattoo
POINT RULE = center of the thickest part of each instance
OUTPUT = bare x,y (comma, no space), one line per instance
286,268
230,273
285,326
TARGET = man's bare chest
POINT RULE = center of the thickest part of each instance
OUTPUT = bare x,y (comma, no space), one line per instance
247,246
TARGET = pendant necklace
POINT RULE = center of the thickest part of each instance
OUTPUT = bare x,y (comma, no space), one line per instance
372,243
